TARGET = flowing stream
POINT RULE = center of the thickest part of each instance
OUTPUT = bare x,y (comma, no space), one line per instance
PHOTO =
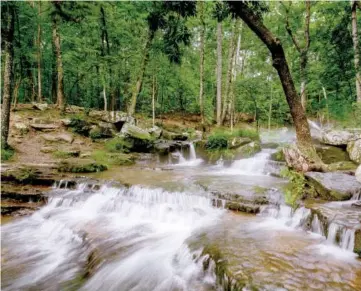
104,236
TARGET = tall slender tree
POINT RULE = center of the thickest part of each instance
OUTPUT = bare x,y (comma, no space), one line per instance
354,5
201,62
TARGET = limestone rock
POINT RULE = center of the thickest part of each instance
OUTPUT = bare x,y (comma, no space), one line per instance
339,137
247,150
58,137
48,149
174,136
236,142
40,106
354,150
21,127
295,159
66,121
155,132
140,139
333,185
44,127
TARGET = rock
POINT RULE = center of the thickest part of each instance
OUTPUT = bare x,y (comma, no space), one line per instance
139,139
295,159
165,146
198,135
40,106
44,127
339,137
21,127
80,126
66,121
333,185
81,167
155,132
247,150
85,155
174,136
357,244
101,132
58,137
358,174
48,149
236,142
118,118
332,154
342,166
242,207
354,150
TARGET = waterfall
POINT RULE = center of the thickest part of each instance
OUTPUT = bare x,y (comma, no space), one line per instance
316,226
192,152
192,161
252,166
139,233
314,125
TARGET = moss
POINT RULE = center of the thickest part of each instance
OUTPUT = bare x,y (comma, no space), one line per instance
259,190
65,155
295,189
79,126
118,144
357,247
278,156
22,175
81,168
247,150
117,159
7,152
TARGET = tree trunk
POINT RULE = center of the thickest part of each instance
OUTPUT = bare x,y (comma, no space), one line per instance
138,85
153,101
201,65
60,97
8,37
356,50
40,98
270,109
16,92
219,73
304,141
226,101
303,64
105,100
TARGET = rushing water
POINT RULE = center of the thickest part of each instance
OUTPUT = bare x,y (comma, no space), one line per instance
109,237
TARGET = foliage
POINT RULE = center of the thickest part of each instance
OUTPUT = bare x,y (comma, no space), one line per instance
7,152
79,126
65,155
294,190
116,159
118,145
217,141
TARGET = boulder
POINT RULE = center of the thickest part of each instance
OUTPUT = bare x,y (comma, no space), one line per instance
118,118
155,132
198,135
40,106
333,185
101,132
174,136
332,154
358,174
296,160
247,150
236,142
165,146
339,137
44,127
354,150
139,139
21,127
66,121
278,156
58,137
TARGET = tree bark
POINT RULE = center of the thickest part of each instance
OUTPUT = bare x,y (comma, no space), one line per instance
201,65
40,96
8,37
60,97
153,101
105,100
138,85
356,49
304,141
219,73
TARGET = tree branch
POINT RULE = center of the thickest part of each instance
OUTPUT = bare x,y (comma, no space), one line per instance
288,28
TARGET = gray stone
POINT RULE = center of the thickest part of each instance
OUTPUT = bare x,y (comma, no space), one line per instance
44,127
333,185
21,127
40,106
354,150
339,137
155,132
174,136
139,139
48,149
58,137
66,121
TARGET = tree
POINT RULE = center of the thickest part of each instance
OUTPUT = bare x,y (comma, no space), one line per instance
201,63
38,42
302,50
8,10
355,4
251,17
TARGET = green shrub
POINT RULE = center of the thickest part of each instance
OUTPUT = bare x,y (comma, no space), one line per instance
96,133
7,152
295,189
217,141
118,144
245,132
65,155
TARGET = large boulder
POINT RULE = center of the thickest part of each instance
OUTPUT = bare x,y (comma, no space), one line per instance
247,150
358,174
333,185
103,130
174,136
140,139
354,150
339,137
40,106
300,162
155,132
118,118
332,154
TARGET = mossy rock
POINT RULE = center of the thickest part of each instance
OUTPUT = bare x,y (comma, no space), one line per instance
357,247
121,159
247,150
332,154
23,175
278,156
342,166
78,167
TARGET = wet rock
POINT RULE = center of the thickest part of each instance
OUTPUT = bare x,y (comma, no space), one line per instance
333,185
174,136
247,150
339,137
155,132
342,166
140,139
332,154
243,207
40,106
236,142
44,127
357,246
58,137
27,175
358,174
165,146
354,150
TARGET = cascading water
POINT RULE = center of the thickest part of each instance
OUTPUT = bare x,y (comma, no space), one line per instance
192,161
138,234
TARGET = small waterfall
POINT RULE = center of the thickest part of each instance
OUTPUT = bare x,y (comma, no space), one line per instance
316,226
332,233
356,196
314,125
252,166
192,152
348,239
341,236
191,161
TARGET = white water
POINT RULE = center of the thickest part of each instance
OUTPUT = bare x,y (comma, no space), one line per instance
314,125
192,161
139,232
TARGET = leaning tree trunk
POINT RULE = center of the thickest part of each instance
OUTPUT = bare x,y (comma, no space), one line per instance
201,65
8,37
304,157
60,97
303,64
138,85
219,72
356,49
